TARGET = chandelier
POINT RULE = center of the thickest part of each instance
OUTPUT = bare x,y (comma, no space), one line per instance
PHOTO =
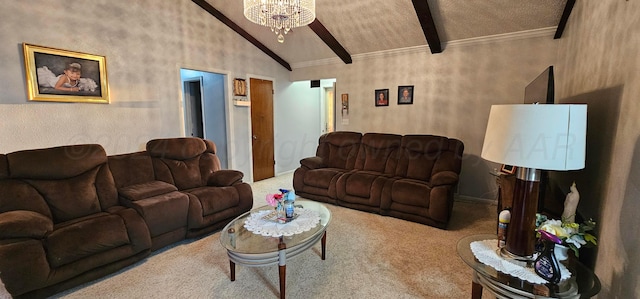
280,15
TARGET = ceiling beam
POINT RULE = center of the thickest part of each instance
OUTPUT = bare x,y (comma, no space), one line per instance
216,13
331,41
428,26
564,19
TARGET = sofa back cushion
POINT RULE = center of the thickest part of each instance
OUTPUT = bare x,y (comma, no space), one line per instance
421,156
184,162
339,149
75,180
378,152
4,167
131,169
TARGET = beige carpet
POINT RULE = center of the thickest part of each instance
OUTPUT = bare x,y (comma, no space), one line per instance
367,256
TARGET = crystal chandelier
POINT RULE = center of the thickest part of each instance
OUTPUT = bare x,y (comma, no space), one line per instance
280,15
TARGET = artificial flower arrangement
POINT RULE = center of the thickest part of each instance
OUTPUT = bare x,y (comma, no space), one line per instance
276,200
573,235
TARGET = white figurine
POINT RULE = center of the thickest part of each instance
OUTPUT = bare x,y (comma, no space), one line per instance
571,204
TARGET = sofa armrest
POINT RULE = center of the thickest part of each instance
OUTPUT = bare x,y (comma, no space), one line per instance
313,163
24,224
225,177
146,190
444,178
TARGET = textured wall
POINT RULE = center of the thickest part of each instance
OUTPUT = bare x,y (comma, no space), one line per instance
453,93
599,63
145,43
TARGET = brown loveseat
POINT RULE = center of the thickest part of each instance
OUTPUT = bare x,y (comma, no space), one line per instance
72,214
411,177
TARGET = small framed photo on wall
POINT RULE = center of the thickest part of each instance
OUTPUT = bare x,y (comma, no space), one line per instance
382,97
405,95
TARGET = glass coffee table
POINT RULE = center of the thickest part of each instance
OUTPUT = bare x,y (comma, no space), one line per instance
582,284
250,249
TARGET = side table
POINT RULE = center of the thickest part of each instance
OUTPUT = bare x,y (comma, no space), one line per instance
582,284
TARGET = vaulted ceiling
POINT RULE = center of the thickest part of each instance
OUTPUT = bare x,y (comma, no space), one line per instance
346,28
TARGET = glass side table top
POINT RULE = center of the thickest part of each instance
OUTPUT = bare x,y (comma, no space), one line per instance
582,284
236,238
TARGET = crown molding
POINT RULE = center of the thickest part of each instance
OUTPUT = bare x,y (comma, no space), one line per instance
535,33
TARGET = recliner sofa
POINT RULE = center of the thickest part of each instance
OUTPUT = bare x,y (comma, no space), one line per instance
72,214
411,177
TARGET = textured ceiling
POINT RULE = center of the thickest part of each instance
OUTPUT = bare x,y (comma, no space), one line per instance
365,26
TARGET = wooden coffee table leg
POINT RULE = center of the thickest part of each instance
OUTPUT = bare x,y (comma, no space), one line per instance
476,290
232,266
282,266
323,242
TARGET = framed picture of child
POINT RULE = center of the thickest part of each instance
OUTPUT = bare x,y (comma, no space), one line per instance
57,75
405,95
382,97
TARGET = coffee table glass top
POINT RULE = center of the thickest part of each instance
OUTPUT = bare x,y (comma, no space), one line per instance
236,238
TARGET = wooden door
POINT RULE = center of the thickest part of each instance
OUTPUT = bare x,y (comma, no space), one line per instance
261,92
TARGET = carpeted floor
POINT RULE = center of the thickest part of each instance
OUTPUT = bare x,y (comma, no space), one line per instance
367,256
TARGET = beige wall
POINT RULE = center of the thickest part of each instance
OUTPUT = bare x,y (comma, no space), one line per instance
599,63
453,92
145,43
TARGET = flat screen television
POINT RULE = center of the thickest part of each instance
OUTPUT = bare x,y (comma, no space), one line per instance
541,89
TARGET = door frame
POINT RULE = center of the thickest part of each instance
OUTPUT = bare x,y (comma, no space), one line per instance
275,121
228,111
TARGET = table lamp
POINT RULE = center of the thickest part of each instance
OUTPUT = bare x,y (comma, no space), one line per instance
533,138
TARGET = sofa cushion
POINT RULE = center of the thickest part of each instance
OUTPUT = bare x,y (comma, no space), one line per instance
4,167
85,237
131,169
24,224
146,190
71,198
411,192
215,199
377,152
339,149
55,163
176,148
183,174
18,195
321,177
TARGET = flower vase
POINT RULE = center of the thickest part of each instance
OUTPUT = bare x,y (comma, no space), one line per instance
280,213
561,252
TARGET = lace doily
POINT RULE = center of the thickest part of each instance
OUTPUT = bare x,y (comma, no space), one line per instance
486,252
306,220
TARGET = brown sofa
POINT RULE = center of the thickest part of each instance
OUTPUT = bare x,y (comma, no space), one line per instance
411,177
72,214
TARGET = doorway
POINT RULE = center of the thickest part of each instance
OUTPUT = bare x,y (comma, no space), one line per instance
329,99
261,92
205,109
193,124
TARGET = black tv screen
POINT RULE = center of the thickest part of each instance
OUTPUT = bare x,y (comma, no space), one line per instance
541,89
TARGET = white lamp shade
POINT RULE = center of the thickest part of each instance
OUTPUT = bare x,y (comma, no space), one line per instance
548,137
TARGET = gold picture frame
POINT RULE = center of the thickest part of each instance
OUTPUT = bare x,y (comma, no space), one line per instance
56,75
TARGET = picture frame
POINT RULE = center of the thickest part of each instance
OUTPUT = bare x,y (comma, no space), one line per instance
405,95
239,87
345,103
508,169
382,97
57,75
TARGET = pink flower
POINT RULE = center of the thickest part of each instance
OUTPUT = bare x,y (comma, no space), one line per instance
271,199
